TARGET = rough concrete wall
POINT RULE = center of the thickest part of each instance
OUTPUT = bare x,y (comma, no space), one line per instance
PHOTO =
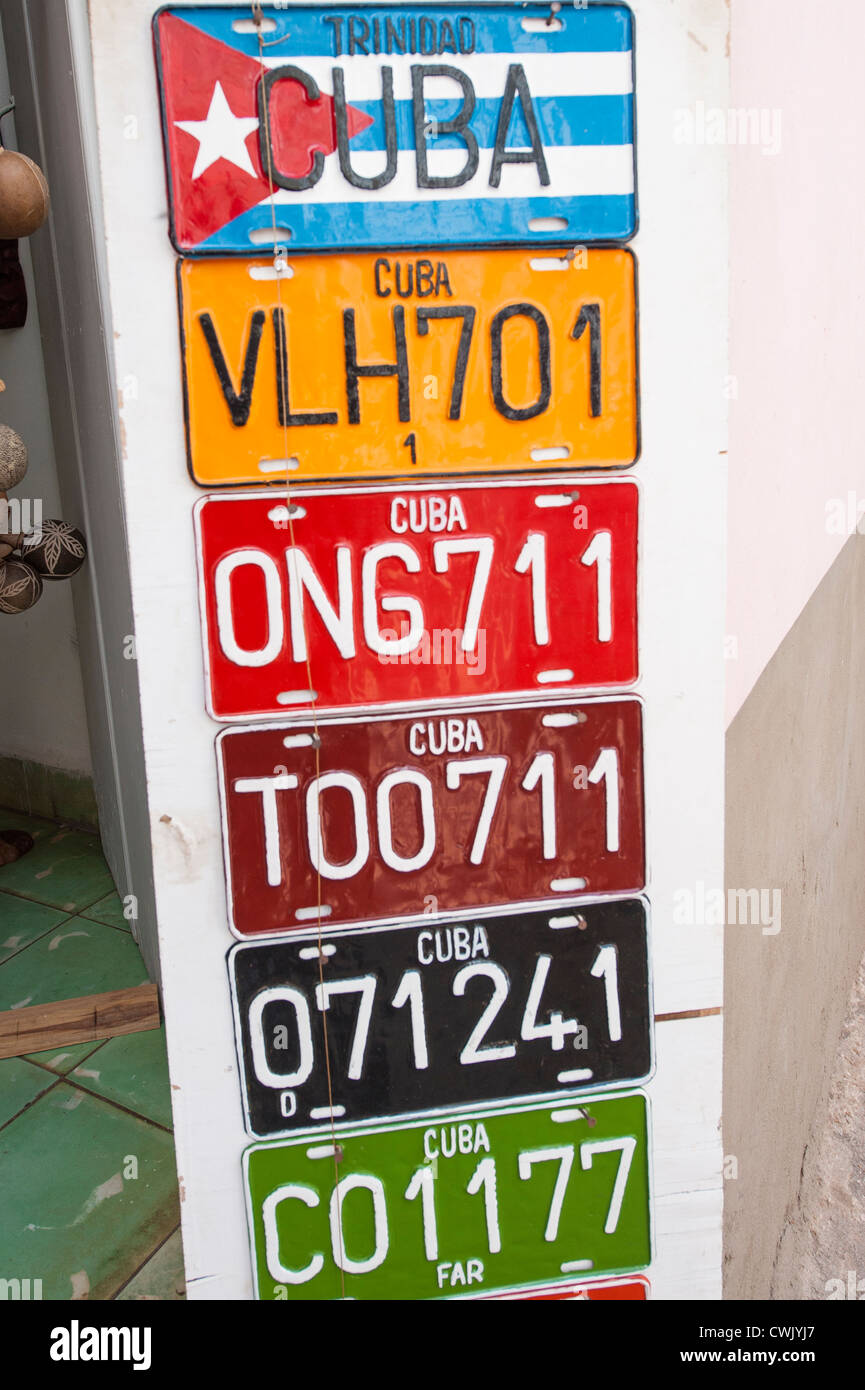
822,1250
796,823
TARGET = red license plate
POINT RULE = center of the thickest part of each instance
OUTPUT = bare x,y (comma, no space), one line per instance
416,595
636,1290
441,812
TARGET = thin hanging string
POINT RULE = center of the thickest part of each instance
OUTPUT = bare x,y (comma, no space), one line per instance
279,253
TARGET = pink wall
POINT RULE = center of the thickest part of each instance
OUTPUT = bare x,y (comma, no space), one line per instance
798,314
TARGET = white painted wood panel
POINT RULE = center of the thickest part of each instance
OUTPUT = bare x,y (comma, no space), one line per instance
682,251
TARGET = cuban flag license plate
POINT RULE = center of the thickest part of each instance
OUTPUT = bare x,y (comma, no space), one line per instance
397,126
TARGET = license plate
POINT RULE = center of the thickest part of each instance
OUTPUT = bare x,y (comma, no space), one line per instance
397,126
416,596
467,1205
441,1017
395,818
365,366
630,1290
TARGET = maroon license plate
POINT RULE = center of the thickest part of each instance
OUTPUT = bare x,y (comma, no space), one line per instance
416,595
440,812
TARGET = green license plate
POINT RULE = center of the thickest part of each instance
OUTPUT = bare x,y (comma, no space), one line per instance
454,1206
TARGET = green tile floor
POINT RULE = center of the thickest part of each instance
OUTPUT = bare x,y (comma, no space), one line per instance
88,1187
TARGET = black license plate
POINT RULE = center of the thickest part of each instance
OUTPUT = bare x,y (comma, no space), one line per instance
441,1016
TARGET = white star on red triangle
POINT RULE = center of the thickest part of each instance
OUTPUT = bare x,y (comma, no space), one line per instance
221,135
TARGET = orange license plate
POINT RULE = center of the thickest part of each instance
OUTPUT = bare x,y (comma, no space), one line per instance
371,366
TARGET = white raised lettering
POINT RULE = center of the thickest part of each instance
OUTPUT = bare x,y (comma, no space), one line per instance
402,603
241,656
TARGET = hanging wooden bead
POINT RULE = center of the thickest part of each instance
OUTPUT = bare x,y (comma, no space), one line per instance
20,587
13,458
24,196
59,552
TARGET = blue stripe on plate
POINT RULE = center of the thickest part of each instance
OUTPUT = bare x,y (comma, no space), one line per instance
453,222
497,28
607,120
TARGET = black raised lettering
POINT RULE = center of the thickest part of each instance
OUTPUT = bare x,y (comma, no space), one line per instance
287,73
342,139
358,33
447,38
239,403
442,280
354,371
394,35
286,416
517,87
590,317
457,125
404,293
427,36
527,412
425,286
468,315
466,29
382,264
336,21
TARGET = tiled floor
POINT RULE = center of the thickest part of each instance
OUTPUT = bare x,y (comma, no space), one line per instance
88,1188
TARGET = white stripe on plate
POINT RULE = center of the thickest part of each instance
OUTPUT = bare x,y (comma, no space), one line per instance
576,1266
327,1112
548,74
575,171
581,1074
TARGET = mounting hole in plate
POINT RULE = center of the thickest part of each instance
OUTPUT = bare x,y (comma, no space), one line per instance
551,454
548,224
550,25
249,26
266,236
270,272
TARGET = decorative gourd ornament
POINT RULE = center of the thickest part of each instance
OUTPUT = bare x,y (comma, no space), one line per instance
58,553
13,458
24,196
20,587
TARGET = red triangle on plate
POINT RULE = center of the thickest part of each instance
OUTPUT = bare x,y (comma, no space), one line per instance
193,62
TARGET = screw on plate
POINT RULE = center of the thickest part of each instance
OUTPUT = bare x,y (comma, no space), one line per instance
257,15
554,9
581,923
